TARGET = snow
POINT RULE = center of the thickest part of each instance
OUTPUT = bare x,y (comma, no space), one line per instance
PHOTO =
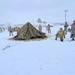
45,57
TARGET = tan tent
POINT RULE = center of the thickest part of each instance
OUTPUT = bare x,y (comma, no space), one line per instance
28,31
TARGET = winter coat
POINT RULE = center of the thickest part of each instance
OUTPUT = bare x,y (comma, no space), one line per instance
65,28
60,34
48,29
73,31
40,28
0,29
10,29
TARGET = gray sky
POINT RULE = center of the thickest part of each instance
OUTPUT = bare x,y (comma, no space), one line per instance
22,11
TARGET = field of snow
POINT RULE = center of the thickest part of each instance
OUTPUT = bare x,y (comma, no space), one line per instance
45,57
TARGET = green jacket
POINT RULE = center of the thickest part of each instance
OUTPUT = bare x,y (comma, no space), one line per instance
60,34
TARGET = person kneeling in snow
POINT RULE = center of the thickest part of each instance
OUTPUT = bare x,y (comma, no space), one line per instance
60,34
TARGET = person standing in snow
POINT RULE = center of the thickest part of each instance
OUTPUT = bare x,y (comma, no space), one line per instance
10,29
65,28
0,29
60,34
3,29
73,31
40,28
48,29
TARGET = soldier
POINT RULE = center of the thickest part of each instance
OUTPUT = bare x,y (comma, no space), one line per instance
65,28
3,29
10,29
40,28
0,29
73,31
48,29
60,34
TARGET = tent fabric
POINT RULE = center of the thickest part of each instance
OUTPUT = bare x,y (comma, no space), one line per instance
28,31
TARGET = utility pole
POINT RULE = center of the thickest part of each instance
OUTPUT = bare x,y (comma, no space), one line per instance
65,14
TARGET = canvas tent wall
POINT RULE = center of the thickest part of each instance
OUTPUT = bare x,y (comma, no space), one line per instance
28,31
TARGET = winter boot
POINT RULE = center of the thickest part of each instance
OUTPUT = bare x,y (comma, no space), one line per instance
56,38
72,39
61,40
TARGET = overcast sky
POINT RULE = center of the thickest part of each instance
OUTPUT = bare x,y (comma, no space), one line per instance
22,11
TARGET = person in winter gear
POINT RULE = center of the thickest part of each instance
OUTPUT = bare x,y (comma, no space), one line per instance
0,29
48,29
60,34
10,29
40,28
73,31
65,28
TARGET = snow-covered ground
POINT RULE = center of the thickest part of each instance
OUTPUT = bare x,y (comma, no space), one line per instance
45,57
